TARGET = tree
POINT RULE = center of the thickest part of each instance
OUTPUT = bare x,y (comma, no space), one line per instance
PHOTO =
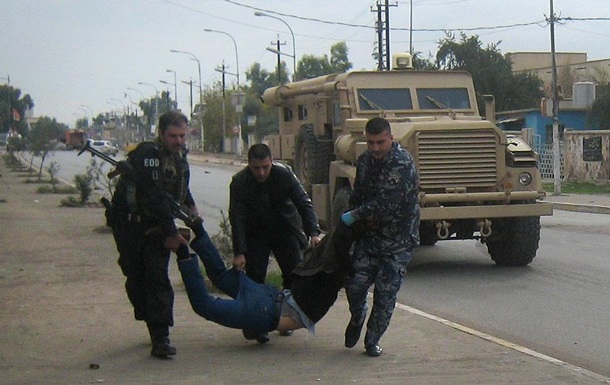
598,115
82,123
420,63
266,116
12,109
43,136
311,66
260,79
339,61
491,72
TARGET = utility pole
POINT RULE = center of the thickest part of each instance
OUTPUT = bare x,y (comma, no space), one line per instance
383,34
224,112
278,51
556,146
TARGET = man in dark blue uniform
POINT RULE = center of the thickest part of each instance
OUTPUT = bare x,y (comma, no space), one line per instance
144,209
385,206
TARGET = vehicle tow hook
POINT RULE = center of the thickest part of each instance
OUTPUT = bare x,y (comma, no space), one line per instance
442,229
484,227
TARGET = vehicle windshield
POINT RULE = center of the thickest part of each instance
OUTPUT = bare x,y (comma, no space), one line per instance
443,98
372,99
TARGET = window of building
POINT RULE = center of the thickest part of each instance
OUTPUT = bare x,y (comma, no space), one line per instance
302,112
549,133
287,114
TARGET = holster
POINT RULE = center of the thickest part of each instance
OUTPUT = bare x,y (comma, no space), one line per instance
110,212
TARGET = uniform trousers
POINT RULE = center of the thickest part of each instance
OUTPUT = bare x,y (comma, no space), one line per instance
386,272
144,262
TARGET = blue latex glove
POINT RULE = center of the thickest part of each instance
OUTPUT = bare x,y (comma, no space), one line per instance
348,218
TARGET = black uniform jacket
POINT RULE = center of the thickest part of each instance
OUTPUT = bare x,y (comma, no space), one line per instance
277,204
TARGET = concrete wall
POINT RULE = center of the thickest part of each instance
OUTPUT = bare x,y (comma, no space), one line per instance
526,61
587,155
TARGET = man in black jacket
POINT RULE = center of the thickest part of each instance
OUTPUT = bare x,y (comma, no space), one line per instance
269,211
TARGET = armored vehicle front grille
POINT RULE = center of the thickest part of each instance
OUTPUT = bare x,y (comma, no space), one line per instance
457,158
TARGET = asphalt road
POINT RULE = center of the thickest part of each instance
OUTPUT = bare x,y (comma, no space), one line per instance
558,305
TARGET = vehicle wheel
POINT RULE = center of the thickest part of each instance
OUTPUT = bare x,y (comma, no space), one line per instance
340,205
312,158
427,234
516,241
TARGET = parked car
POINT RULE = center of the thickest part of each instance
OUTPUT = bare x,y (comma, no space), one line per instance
104,146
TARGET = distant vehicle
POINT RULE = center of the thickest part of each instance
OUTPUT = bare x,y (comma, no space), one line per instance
75,139
104,146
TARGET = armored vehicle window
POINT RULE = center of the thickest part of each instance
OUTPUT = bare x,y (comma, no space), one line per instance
302,112
443,98
287,114
374,99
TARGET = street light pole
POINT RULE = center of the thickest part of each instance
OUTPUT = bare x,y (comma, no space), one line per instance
90,109
175,89
238,91
168,93
124,116
193,57
156,103
138,91
294,55
236,53
138,137
190,83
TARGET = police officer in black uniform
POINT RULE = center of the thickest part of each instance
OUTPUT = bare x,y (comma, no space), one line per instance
144,208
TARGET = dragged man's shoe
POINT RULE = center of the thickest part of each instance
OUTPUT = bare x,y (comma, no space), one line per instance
262,338
374,350
352,335
286,333
249,334
162,349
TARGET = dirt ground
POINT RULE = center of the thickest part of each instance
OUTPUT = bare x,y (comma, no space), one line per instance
66,320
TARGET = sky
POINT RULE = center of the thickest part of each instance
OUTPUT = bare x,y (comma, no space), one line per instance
76,58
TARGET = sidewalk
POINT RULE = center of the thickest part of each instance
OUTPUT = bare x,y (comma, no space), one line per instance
595,204
65,313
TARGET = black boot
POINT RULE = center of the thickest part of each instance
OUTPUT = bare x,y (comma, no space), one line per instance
159,336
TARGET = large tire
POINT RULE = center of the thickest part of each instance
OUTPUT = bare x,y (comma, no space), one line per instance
340,205
516,242
312,158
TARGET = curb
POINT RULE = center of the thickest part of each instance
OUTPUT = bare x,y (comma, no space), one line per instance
580,208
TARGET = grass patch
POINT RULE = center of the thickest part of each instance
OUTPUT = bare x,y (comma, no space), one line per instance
589,188
37,181
57,190
274,278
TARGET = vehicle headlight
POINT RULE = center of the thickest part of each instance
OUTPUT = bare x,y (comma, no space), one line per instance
525,178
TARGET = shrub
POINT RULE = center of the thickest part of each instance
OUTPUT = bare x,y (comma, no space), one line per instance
84,185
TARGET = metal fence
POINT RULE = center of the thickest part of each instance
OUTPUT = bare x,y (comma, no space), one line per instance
545,151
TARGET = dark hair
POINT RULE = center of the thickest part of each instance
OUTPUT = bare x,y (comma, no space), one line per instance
259,151
377,125
171,118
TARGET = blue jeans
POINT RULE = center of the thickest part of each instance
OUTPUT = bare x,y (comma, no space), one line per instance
253,307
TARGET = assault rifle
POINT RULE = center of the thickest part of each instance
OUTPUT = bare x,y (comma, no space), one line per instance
181,212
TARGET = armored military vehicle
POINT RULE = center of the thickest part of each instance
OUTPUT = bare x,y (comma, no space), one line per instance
476,182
